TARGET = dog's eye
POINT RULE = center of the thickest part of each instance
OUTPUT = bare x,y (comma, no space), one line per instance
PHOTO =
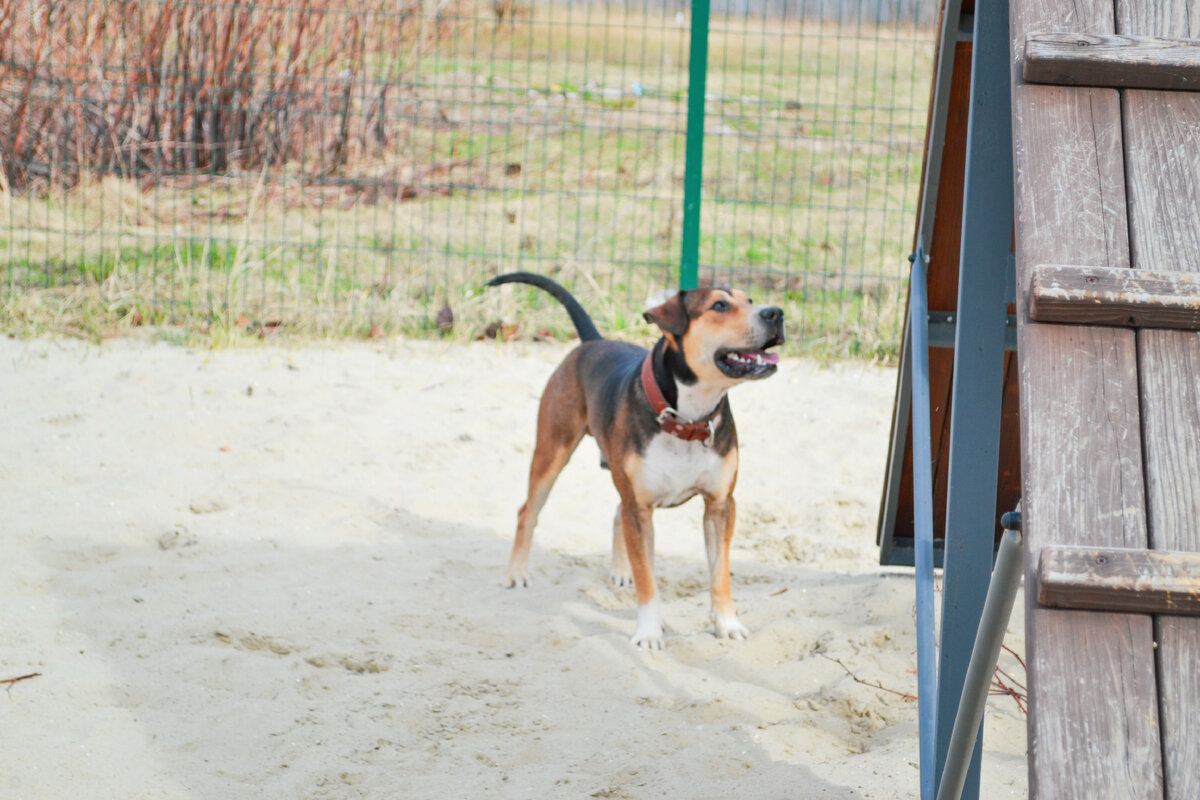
720,305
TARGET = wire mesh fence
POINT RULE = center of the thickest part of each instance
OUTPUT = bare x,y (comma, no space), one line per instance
365,166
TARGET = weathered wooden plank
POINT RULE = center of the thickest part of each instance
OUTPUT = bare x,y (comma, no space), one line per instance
1092,725
1118,579
1179,697
1086,59
1162,144
1135,298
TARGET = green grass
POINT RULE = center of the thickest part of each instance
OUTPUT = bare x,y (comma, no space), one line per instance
523,145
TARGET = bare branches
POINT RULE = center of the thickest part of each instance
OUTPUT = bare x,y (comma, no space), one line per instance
873,685
185,85
1003,684
10,682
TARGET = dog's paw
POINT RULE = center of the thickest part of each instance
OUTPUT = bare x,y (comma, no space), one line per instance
515,581
649,633
621,573
648,642
730,628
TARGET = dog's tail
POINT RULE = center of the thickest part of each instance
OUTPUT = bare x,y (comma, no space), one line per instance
583,323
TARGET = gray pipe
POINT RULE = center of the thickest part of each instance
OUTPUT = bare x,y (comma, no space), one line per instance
997,609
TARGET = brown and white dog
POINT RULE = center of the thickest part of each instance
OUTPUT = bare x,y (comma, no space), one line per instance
664,427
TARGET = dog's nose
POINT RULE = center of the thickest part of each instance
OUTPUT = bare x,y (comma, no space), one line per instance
772,315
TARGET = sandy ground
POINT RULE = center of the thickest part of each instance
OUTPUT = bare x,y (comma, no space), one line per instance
277,573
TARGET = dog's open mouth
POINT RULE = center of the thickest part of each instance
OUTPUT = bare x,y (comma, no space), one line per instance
747,363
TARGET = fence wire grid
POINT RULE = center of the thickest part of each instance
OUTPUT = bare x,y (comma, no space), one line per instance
363,167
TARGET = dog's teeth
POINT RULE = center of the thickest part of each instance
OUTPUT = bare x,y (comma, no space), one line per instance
746,358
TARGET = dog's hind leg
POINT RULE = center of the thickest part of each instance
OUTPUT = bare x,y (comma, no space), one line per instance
719,516
561,426
622,573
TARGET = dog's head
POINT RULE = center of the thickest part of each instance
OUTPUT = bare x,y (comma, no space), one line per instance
722,336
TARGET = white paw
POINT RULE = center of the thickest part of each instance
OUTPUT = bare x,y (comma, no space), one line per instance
517,580
649,640
730,628
621,580
649,633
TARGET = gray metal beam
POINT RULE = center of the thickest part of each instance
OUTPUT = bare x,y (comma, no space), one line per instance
927,693
978,368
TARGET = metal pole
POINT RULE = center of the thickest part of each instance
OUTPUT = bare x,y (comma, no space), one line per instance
997,609
918,306
689,265
977,403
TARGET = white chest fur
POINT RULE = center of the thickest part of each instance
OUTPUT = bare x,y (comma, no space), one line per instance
673,471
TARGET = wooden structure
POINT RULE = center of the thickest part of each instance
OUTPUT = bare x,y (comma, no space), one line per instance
1108,179
1102,101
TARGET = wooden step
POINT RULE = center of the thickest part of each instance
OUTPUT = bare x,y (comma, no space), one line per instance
1134,298
1119,579
1125,62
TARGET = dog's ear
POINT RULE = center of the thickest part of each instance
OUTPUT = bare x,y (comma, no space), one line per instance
671,316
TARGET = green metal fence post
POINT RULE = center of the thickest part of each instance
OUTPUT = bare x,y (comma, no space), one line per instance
689,267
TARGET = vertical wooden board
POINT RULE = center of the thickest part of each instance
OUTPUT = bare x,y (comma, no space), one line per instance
1162,144
1070,177
1091,676
1179,699
1079,759
1093,725
1168,18
1162,147
1170,384
1081,443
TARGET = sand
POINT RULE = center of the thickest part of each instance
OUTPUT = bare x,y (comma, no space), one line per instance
277,572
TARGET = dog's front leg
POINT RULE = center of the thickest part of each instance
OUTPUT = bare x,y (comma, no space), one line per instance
719,516
638,528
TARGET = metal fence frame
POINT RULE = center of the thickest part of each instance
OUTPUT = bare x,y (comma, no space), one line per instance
353,166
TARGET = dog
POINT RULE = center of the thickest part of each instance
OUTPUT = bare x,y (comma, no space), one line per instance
665,430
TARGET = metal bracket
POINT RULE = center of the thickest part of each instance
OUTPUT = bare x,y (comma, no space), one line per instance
943,327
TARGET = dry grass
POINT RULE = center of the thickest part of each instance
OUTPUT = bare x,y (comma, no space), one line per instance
137,88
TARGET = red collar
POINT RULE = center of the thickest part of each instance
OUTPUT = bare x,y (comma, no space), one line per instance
701,430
